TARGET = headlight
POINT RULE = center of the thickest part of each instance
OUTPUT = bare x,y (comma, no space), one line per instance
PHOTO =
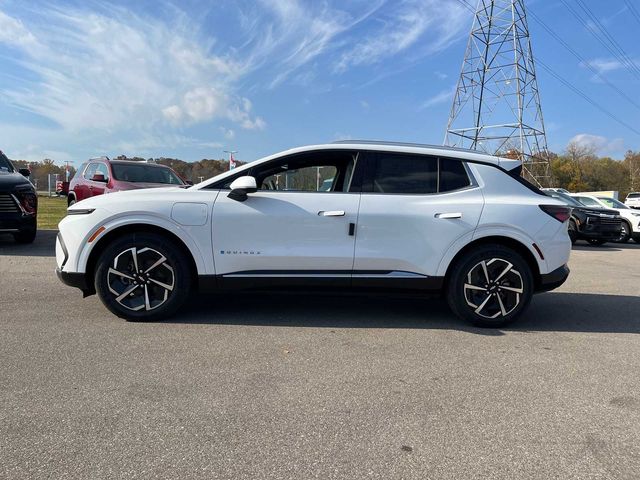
28,201
80,211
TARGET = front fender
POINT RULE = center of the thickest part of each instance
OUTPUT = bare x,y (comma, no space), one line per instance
188,234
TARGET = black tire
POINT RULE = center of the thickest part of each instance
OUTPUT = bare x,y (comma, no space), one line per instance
496,300
625,233
597,242
149,248
573,231
71,201
25,236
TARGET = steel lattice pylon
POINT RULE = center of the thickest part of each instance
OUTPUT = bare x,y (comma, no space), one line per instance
496,107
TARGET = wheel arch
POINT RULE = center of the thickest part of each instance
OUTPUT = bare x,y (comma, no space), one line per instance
71,196
136,228
509,242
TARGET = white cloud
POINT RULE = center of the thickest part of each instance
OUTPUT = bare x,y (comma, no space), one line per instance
13,32
409,23
228,133
445,96
111,71
598,143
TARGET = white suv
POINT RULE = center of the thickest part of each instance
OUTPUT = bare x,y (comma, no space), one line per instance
630,217
633,200
365,216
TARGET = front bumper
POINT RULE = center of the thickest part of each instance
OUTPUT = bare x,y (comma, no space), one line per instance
552,280
15,222
77,280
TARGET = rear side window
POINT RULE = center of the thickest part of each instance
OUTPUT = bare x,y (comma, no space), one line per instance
409,174
415,174
453,175
633,195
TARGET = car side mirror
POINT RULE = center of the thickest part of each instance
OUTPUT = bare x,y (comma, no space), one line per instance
189,182
241,186
24,172
98,177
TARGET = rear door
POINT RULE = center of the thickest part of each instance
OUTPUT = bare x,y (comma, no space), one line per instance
412,209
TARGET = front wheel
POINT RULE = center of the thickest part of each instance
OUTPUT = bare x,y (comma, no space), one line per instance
25,236
625,233
490,287
143,277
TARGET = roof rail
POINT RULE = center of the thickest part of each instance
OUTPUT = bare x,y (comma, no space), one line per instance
409,144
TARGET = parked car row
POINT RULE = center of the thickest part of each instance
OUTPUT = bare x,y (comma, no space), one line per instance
599,219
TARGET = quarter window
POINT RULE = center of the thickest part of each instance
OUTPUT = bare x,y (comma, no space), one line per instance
453,175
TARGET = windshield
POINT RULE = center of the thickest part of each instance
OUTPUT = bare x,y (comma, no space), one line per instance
612,202
144,174
564,198
5,164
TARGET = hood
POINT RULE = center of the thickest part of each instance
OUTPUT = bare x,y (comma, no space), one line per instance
10,180
128,196
597,211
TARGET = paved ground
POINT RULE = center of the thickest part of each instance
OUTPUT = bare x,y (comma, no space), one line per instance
326,388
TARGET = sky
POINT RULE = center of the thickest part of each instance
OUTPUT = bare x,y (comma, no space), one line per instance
190,79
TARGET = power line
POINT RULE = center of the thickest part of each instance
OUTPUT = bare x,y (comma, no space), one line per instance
582,60
603,37
633,10
588,99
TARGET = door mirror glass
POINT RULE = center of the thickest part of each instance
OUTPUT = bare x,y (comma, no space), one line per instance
241,186
24,172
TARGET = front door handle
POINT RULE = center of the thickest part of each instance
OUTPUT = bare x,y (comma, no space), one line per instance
449,215
331,213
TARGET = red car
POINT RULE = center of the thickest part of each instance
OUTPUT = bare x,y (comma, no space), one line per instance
101,175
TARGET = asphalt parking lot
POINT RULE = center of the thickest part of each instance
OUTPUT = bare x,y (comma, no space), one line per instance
320,387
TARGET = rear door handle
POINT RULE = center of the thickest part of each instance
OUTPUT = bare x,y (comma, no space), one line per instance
449,215
331,213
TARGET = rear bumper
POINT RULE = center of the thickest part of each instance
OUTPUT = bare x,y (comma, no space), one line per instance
552,280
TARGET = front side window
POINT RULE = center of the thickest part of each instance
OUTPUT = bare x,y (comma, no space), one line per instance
89,172
322,171
144,174
102,168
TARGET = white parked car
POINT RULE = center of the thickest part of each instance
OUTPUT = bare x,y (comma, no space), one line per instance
396,218
633,200
630,217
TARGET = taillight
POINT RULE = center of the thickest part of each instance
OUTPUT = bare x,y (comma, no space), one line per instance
28,201
559,212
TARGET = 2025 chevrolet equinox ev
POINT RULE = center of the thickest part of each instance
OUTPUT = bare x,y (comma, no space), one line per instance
365,216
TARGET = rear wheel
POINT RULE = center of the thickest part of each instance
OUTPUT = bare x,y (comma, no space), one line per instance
490,286
143,277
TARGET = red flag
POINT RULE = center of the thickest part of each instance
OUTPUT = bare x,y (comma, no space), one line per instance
232,162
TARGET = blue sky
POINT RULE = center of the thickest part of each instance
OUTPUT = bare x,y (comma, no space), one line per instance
192,78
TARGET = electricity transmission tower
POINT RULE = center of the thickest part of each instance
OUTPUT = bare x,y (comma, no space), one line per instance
496,107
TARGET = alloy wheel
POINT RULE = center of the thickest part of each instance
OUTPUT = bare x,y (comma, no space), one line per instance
493,288
141,279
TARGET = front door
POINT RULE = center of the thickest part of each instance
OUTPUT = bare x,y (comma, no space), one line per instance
297,229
